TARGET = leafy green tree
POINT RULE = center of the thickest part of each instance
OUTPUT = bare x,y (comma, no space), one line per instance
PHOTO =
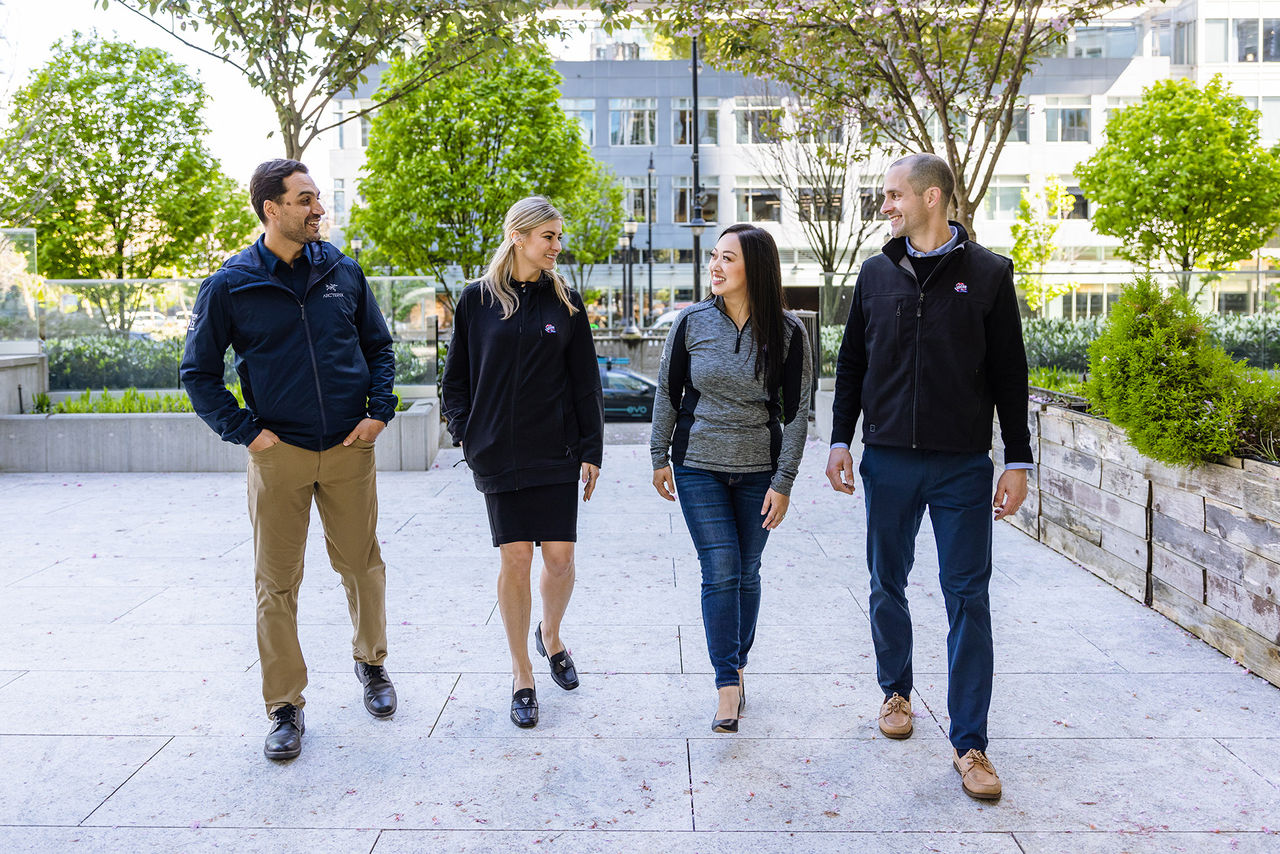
593,223
941,76
1183,179
303,55
1039,215
446,162
124,171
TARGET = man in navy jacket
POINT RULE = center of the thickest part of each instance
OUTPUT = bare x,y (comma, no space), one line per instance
316,369
932,349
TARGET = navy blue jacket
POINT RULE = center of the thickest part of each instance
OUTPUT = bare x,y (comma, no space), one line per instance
928,363
310,369
522,395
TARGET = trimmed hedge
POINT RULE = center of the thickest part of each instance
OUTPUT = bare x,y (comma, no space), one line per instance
116,361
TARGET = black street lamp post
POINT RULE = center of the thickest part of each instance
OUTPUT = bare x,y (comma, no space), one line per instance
648,215
629,279
696,223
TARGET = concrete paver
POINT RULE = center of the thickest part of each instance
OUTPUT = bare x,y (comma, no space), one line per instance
131,719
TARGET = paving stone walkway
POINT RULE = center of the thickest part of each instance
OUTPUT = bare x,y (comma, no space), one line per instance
130,716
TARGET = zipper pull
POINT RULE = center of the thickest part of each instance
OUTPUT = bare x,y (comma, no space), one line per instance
920,305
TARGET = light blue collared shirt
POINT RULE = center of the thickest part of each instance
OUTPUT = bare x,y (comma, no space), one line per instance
941,250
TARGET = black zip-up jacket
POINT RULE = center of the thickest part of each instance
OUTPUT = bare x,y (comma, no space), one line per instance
927,363
522,395
310,369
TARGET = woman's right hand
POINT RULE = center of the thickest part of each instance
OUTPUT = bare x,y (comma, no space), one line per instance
664,483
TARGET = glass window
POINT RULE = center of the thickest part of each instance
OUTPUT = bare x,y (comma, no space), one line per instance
1067,119
682,121
342,137
1246,30
710,198
820,204
339,197
582,111
1004,194
635,198
1162,38
1215,40
870,200
758,202
1184,43
1269,122
1080,209
632,121
365,123
626,382
1271,39
757,119
1018,130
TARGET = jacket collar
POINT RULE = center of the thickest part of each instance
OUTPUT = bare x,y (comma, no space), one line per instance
247,266
896,248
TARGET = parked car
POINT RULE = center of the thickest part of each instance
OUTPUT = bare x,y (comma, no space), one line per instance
628,396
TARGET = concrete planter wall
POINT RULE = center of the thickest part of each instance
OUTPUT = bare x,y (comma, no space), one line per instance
177,442
1199,545
22,377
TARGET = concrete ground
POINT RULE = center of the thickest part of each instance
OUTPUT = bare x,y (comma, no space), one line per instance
131,719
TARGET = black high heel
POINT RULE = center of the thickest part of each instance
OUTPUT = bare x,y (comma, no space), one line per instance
729,724
742,694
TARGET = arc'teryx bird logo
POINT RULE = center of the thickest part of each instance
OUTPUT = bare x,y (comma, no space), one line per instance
331,290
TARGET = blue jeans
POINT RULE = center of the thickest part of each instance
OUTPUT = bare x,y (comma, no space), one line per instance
957,488
722,511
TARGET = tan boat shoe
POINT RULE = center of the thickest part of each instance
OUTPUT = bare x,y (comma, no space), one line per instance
895,717
977,774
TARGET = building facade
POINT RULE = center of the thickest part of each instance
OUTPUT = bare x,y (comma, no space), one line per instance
636,108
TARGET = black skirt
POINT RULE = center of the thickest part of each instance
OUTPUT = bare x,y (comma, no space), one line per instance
536,513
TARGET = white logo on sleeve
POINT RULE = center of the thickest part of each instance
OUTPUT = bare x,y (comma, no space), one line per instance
191,324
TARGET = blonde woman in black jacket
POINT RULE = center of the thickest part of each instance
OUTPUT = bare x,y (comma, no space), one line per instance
521,391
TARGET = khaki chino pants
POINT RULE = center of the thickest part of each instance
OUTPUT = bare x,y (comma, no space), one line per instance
283,479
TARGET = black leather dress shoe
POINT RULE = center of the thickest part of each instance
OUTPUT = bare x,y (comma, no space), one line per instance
284,741
562,670
379,693
524,707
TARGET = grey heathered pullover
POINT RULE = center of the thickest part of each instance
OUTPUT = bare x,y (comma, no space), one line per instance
711,410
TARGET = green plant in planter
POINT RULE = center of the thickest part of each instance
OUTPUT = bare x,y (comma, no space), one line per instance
1154,371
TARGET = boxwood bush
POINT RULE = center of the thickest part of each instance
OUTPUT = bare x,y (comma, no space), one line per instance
117,361
1155,371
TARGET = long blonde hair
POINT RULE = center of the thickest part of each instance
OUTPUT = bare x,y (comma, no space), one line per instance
522,218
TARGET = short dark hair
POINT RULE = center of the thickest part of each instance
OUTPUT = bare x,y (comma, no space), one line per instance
268,182
929,170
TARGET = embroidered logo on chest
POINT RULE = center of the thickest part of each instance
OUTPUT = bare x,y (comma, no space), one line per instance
331,290
962,288
550,328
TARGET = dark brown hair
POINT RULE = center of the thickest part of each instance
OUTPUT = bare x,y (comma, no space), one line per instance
764,289
268,183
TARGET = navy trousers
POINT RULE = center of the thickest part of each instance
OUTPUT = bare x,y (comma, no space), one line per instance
956,488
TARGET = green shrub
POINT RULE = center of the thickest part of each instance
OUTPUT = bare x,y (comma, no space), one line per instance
829,338
112,361
1155,372
130,401
1058,342
1056,379
1254,338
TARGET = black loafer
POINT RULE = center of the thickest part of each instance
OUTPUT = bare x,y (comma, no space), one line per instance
563,673
524,707
284,741
379,693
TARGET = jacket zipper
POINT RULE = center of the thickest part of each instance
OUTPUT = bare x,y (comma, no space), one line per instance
915,389
315,371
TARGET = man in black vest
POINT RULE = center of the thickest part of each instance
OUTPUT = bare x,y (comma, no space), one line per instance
932,348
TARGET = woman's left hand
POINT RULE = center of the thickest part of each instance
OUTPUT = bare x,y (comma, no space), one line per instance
774,509
590,474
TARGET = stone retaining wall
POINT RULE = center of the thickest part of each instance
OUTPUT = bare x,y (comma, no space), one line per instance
1199,545
177,442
